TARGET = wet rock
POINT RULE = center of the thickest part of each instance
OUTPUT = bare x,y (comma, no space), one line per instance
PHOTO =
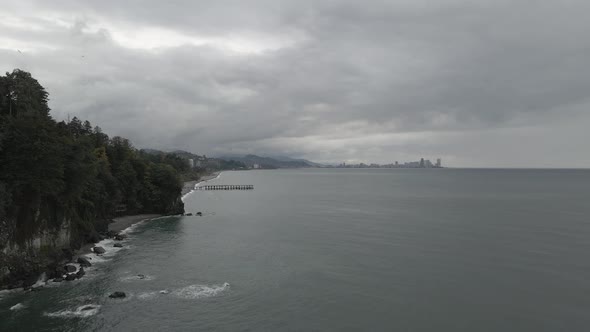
141,276
120,237
71,277
99,250
118,245
70,268
117,295
59,279
83,261
188,214
199,213
80,273
58,272
86,308
111,234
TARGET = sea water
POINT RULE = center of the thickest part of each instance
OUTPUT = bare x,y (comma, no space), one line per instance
343,250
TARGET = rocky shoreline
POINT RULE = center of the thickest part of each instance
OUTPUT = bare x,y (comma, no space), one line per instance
66,264
124,222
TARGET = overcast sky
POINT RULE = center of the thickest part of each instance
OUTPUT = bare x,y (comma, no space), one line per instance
477,83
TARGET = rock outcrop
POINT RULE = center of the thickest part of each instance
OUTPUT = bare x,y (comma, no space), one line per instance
117,295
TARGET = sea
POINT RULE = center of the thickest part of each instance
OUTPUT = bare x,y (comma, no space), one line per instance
342,250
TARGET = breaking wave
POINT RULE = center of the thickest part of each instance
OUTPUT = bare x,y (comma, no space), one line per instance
136,277
80,312
189,292
18,306
200,291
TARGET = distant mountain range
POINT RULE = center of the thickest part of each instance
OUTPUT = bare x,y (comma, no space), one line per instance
249,160
270,162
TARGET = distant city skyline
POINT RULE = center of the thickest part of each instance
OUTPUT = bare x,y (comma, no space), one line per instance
422,163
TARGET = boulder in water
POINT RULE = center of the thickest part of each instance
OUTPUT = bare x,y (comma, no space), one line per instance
120,237
99,250
141,276
199,213
58,272
71,277
117,295
80,273
118,245
70,268
83,261
58,279
188,214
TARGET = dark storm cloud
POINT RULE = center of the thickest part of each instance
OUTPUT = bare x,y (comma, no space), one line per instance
475,82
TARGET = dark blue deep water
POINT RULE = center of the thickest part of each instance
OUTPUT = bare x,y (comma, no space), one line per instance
345,250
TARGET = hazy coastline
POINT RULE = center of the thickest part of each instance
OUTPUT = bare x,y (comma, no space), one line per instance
190,185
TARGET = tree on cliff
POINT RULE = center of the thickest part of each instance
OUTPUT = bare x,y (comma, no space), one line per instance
54,171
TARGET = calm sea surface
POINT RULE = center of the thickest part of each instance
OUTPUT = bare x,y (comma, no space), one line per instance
344,250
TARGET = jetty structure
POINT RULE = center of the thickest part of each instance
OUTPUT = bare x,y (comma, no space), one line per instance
226,187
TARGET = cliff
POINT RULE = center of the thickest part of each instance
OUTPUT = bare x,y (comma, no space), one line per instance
61,182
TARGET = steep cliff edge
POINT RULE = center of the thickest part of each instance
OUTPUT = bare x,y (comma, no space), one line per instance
61,182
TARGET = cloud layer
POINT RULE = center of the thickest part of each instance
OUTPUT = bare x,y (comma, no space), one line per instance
478,83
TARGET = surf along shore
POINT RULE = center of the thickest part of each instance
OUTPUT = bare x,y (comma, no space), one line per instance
82,258
190,185
121,223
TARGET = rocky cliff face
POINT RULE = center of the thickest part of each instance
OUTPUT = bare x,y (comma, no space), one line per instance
22,263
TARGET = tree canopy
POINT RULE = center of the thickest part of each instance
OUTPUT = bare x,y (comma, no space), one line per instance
51,171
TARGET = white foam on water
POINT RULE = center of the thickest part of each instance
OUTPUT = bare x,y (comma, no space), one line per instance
187,195
133,227
137,277
197,185
215,178
18,306
147,295
200,291
151,295
42,281
110,251
83,311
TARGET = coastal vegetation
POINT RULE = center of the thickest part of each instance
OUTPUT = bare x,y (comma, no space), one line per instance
70,174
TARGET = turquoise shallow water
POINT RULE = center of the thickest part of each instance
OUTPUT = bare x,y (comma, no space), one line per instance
345,249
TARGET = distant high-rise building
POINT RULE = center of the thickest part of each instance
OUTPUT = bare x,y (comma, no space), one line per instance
421,162
396,164
438,162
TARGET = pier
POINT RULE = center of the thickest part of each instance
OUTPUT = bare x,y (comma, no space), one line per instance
226,187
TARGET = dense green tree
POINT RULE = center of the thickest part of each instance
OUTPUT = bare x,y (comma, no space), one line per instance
21,94
54,171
